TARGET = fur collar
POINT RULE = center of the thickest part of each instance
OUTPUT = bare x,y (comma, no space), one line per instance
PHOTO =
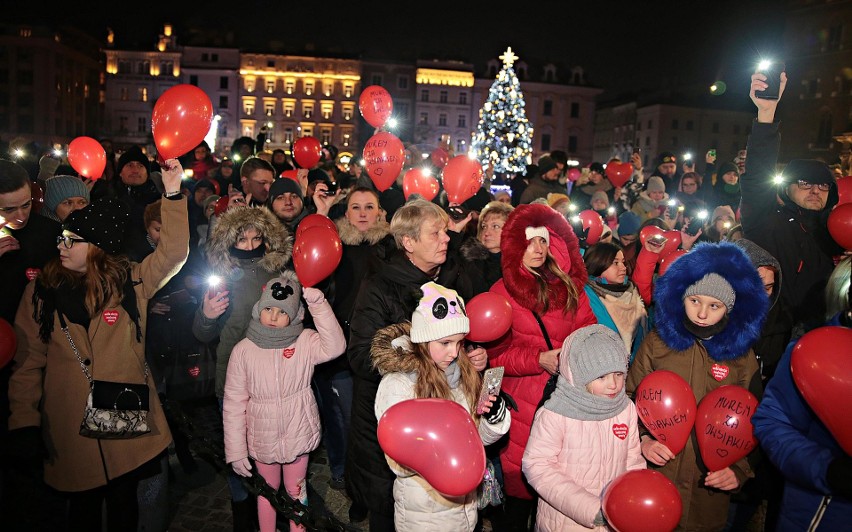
472,250
563,246
388,358
279,242
351,236
745,320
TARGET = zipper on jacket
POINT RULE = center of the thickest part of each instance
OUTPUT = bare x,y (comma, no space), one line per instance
823,506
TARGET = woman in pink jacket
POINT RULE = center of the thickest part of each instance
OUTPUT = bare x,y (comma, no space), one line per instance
543,279
269,410
586,435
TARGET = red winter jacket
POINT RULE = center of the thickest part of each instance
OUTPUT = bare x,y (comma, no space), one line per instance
518,351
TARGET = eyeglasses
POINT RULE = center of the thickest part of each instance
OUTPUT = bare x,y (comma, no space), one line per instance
68,241
804,185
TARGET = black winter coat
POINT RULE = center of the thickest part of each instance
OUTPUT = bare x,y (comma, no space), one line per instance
798,238
387,298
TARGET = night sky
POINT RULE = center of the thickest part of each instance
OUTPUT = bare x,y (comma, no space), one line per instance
623,46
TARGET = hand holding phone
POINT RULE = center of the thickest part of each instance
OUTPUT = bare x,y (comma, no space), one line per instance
772,70
457,212
491,383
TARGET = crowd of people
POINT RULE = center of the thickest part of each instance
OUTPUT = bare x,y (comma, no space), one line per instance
119,279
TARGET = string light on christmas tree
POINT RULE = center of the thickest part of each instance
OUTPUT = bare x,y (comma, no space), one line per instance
503,136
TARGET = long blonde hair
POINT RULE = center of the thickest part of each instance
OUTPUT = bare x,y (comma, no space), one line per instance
540,275
432,383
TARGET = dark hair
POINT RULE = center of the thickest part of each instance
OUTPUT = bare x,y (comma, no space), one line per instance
13,176
599,257
255,163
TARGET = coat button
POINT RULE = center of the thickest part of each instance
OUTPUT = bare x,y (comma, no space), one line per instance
87,362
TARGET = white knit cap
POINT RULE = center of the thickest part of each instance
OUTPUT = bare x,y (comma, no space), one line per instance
440,313
532,232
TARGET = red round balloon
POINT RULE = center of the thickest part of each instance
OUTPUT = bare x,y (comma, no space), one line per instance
290,174
181,119
462,178
38,196
821,364
674,239
87,157
376,105
641,501
666,406
315,220
840,225
440,157
307,151
8,342
648,231
384,156
667,261
416,181
438,439
844,190
723,426
316,254
574,174
594,224
619,173
490,317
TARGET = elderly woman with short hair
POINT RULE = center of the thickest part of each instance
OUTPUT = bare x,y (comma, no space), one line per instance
419,229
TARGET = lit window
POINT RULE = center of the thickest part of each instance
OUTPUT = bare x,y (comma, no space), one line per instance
309,86
348,89
270,86
289,86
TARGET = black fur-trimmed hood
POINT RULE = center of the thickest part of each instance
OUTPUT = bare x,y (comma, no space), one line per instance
745,320
278,241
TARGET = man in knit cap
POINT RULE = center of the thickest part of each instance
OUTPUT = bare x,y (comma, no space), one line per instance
652,201
62,195
545,182
794,232
667,169
287,202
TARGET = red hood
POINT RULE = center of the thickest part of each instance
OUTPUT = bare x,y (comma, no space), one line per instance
563,246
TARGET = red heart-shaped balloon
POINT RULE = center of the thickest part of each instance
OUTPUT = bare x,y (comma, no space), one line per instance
384,156
642,500
840,225
619,173
490,316
462,178
417,181
316,254
438,439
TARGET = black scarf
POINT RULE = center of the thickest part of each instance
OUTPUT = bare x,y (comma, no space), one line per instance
705,333
255,253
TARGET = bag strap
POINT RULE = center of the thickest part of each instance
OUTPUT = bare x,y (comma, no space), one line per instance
543,330
80,359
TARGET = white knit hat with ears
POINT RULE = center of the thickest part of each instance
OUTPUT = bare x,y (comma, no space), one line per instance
440,313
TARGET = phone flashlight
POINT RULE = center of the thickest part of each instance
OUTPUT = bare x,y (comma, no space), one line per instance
213,282
726,225
702,215
610,210
57,153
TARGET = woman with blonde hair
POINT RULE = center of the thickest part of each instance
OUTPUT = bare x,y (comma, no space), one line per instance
482,253
543,279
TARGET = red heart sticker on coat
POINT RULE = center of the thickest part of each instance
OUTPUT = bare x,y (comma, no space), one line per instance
719,372
32,273
195,371
289,352
110,316
620,430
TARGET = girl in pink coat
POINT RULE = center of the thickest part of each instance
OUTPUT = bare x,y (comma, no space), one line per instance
269,410
586,434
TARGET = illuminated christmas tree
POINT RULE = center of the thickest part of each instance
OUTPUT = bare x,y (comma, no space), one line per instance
503,136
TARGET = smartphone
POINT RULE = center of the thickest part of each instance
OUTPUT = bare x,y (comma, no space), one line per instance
672,208
637,150
332,189
712,152
772,70
694,225
457,212
491,382
658,240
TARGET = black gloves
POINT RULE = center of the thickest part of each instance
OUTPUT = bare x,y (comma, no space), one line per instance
839,477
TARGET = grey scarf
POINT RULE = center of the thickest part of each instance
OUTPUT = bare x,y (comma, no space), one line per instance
453,374
576,403
272,337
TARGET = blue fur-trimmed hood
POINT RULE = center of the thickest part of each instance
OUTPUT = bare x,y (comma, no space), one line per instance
745,321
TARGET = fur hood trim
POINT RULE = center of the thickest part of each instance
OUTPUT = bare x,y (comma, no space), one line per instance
390,358
745,319
279,242
351,236
564,247
472,249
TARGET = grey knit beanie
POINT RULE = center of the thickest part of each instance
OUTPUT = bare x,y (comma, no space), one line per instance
282,292
61,187
713,285
595,351
655,184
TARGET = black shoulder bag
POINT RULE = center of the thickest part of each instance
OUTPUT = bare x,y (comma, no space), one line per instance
551,382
